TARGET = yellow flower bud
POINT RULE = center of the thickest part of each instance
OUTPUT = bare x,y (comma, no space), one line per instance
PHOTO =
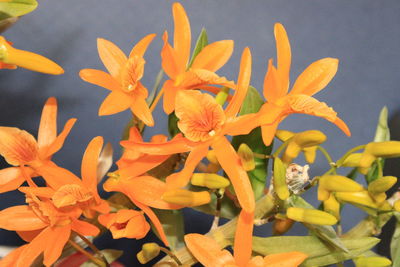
309,138
149,251
382,184
372,262
332,206
284,135
212,157
338,183
359,198
210,180
310,154
385,206
312,216
379,198
374,150
291,152
396,205
186,198
282,226
247,157
323,194
353,160
279,179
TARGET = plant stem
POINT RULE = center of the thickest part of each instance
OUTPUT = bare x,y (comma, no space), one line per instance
327,156
156,100
171,254
87,254
94,248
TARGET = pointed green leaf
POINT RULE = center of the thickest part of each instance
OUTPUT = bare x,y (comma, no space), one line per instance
201,42
173,125
382,132
395,245
16,8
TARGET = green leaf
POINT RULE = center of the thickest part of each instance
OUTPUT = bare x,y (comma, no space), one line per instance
382,132
201,42
16,8
110,255
251,104
324,232
395,245
173,125
318,253
173,225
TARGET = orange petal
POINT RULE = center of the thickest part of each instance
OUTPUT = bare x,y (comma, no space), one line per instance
182,34
12,258
272,85
242,125
60,139
48,123
99,78
55,242
137,227
111,56
20,218
90,162
84,228
170,92
153,218
284,55
17,146
34,249
10,179
182,178
140,108
140,48
289,259
169,59
232,165
268,133
342,126
56,176
242,84
28,236
243,238
114,103
147,190
214,56
207,251
45,192
256,261
142,165
315,77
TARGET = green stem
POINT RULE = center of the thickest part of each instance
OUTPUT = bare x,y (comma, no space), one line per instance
344,157
87,254
327,156
280,149
94,248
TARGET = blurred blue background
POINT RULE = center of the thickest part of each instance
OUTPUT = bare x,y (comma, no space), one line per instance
363,34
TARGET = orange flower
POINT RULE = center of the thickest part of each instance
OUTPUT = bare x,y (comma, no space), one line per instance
31,157
11,57
175,60
46,228
126,223
204,123
299,100
123,79
209,253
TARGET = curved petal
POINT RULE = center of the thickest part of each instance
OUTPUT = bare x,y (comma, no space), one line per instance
10,179
99,78
59,141
114,103
140,108
243,238
342,126
272,88
55,242
268,132
111,56
289,259
214,56
56,176
48,123
182,34
315,77
169,59
284,55
142,165
147,190
242,84
90,162
84,228
28,236
170,92
242,125
232,165
20,218
12,257
140,48
45,192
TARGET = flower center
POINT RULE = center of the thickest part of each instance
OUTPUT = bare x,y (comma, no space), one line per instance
132,73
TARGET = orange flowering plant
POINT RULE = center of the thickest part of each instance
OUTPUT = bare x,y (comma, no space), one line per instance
215,161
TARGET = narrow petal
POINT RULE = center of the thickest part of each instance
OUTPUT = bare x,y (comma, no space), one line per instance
28,236
242,84
272,84
10,179
284,55
140,108
153,218
243,238
289,259
169,59
84,228
268,133
140,48
111,56
55,242
48,123
115,102
232,165
214,56
182,34
90,161
342,126
20,218
17,146
315,77
170,92
242,125
12,257
45,192
60,139
56,176
34,249
182,178
142,165
99,78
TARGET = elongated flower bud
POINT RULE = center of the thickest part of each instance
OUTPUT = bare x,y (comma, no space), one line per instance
279,179
312,216
309,138
149,251
284,135
186,198
338,183
353,160
374,150
332,206
382,184
210,180
282,226
247,157
396,205
372,262
358,198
